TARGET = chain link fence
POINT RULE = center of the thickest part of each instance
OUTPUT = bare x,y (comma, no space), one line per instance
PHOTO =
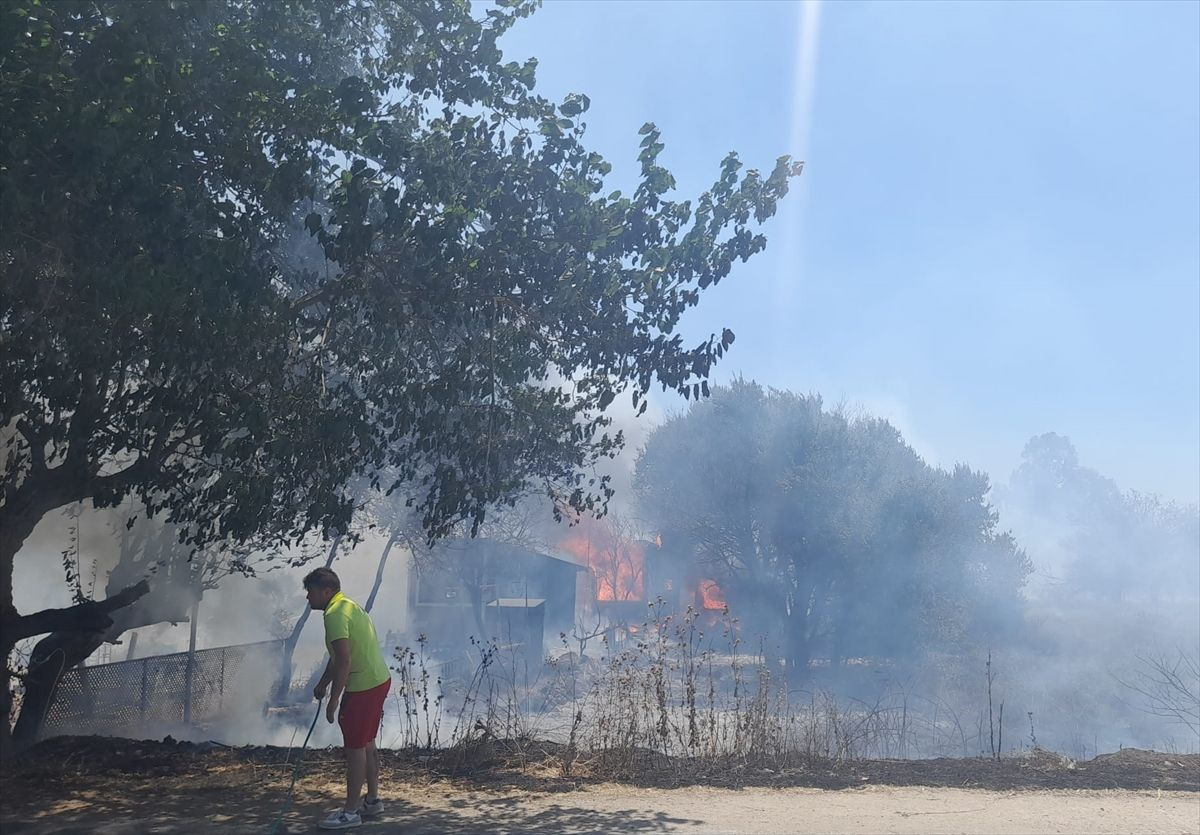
163,690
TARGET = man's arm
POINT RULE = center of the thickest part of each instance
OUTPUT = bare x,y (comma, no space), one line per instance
326,680
340,662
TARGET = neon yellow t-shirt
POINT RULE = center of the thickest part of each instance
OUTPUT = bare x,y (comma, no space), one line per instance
346,619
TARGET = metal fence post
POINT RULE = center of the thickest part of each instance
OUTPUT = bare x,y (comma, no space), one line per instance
142,705
85,690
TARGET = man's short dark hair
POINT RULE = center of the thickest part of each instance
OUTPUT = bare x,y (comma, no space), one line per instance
322,578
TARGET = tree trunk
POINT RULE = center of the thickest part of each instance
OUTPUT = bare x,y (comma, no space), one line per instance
476,594
11,540
379,571
284,682
66,648
75,628
53,655
837,651
797,649
22,511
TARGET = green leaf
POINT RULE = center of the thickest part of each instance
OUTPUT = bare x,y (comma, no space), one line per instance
574,104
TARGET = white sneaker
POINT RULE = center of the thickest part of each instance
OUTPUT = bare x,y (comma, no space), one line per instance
370,808
341,819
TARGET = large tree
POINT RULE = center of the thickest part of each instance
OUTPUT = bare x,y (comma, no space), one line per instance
826,531
476,300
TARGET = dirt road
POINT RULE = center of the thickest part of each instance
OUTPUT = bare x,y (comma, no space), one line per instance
445,808
106,786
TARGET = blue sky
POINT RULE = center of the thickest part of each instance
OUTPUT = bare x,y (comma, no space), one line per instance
996,234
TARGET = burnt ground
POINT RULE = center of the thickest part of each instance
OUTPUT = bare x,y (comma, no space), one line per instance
67,782
94,761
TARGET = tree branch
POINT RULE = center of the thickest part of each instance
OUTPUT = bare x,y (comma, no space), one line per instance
90,616
324,293
37,446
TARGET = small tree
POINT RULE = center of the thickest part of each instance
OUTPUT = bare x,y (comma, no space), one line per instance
1169,688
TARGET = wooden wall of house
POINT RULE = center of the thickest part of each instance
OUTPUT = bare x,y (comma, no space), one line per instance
440,605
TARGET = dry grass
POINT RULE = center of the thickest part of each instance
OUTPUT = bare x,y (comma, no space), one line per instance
677,696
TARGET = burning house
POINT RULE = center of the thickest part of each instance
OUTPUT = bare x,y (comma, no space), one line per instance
627,574
595,578
492,590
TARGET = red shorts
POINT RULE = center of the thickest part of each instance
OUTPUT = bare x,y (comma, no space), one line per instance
360,715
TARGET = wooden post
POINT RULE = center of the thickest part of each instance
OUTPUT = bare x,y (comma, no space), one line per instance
85,690
191,666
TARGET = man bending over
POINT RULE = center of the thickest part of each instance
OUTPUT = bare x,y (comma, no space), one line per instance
358,678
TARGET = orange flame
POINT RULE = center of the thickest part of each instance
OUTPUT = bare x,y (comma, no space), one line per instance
712,595
617,565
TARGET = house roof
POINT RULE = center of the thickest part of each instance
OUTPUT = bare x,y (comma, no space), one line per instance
510,549
570,559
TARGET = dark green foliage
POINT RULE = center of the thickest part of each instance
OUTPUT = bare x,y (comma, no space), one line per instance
167,332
